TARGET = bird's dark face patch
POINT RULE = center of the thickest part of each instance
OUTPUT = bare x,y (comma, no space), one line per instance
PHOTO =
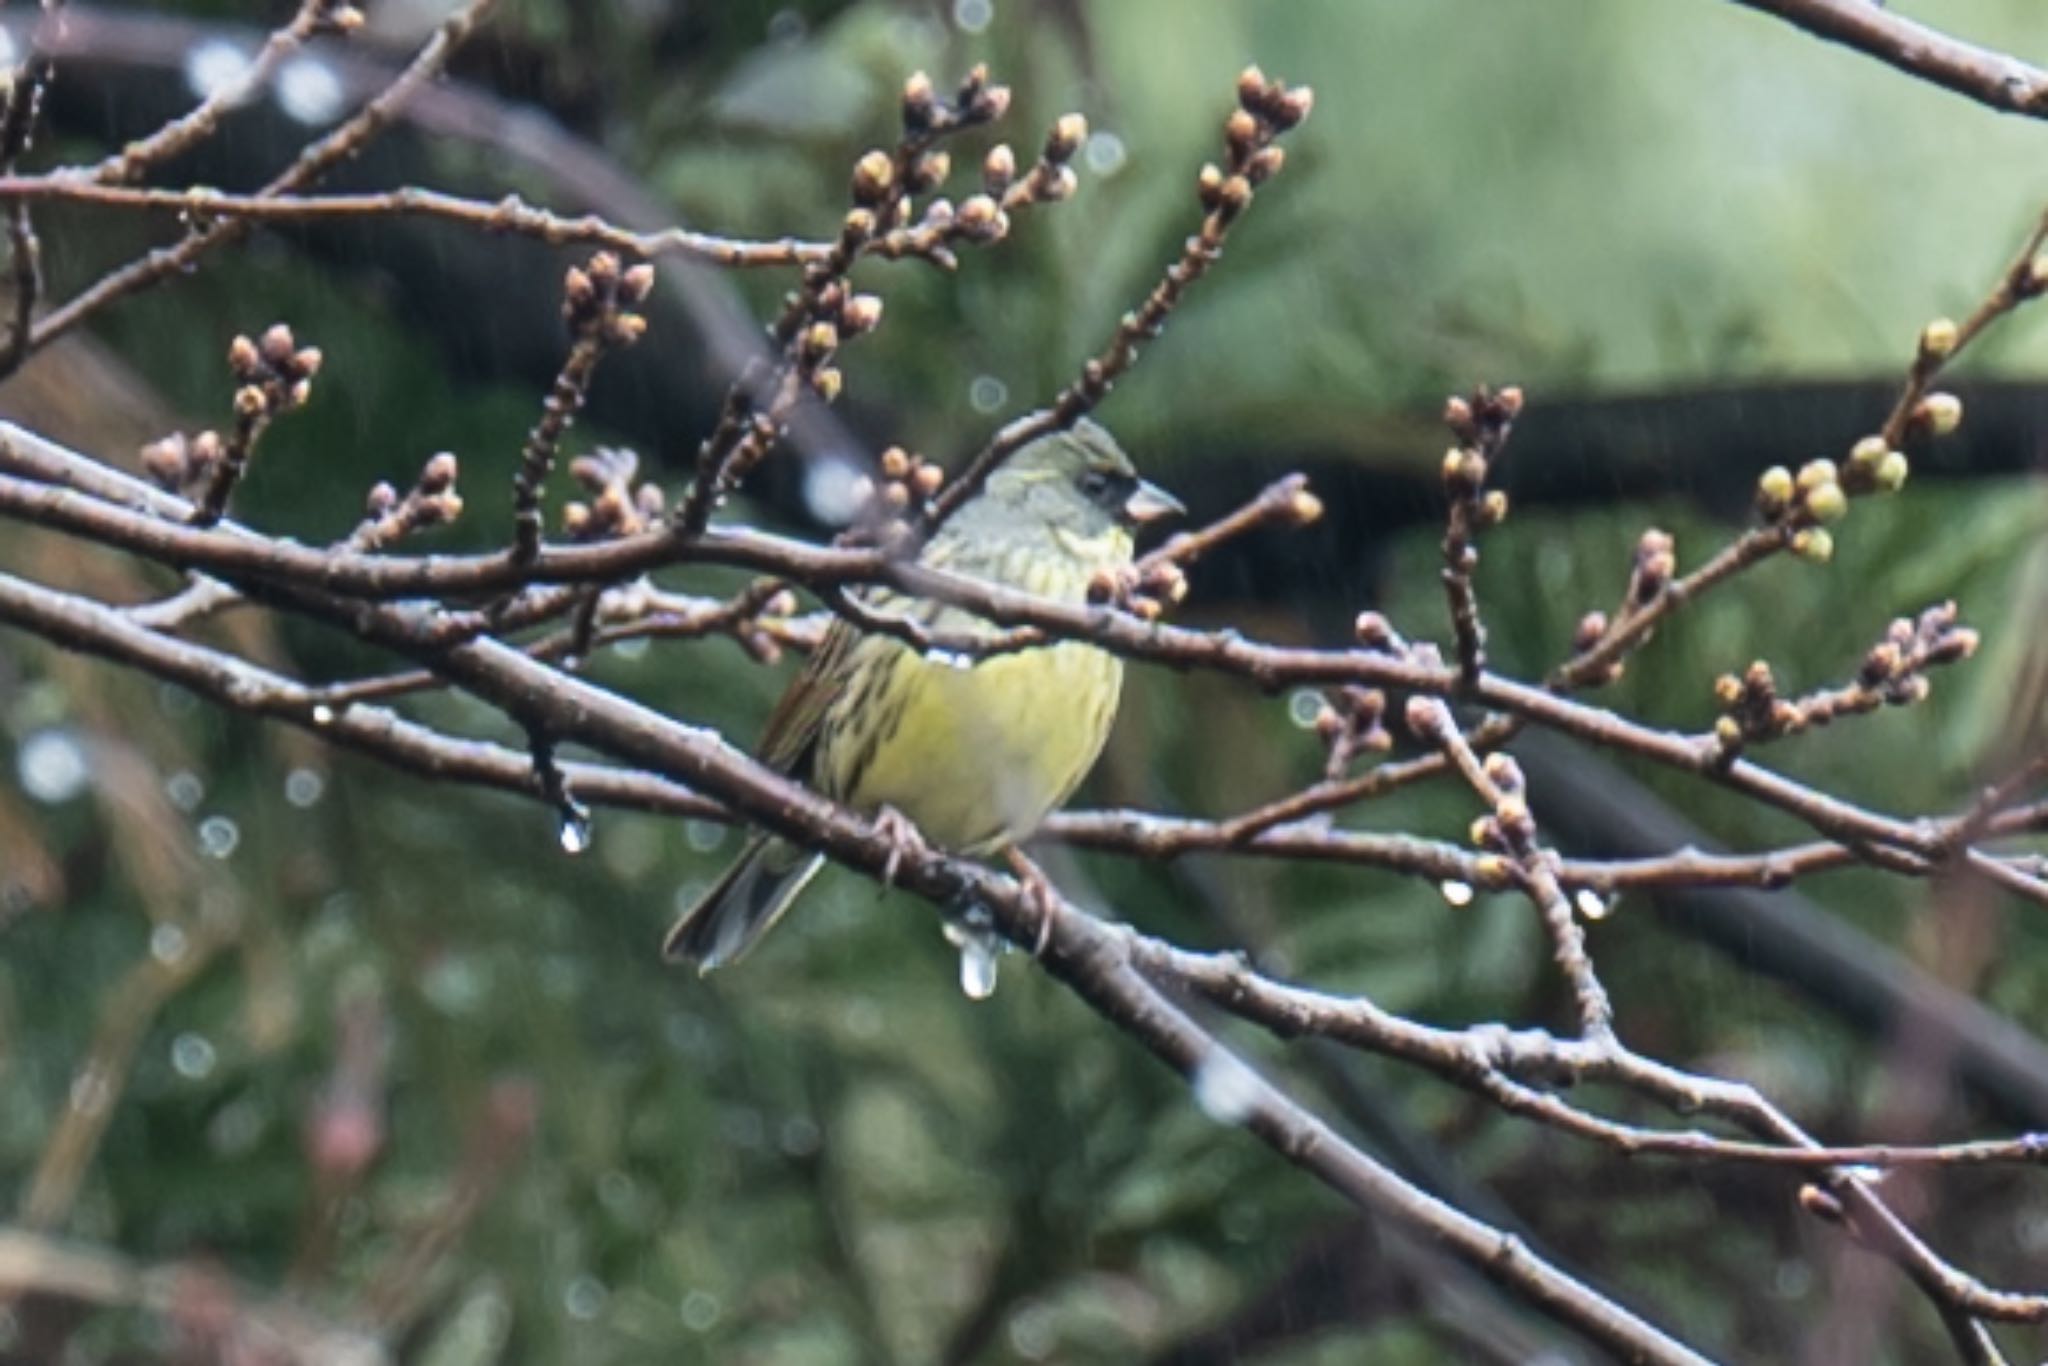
1082,481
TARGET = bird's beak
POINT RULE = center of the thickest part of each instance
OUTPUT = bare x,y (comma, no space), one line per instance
1149,502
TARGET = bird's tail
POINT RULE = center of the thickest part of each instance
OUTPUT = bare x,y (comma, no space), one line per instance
743,905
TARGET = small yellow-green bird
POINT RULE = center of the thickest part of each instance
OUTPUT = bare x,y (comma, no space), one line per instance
973,753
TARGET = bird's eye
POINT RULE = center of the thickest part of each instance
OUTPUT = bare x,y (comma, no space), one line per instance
1094,483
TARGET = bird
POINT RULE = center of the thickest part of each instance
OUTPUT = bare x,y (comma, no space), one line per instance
970,753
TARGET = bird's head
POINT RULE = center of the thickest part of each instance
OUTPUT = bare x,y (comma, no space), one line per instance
1080,482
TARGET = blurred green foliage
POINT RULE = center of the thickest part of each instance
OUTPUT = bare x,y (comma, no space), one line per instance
828,1155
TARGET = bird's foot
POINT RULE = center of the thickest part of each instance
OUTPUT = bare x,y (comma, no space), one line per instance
905,842
1039,894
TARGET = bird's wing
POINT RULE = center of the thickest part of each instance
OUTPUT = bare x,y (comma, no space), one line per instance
792,729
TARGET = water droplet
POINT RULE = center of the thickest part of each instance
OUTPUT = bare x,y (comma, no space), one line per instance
585,1297
787,26
987,394
703,836
309,90
167,943
980,948
304,787
832,489
214,64
194,1056
1455,892
1103,153
185,790
52,766
973,16
700,1311
1592,905
219,836
1304,705
572,663
952,659
575,832
1793,1279
629,650
1033,1332
1225,1088
977,970
323,715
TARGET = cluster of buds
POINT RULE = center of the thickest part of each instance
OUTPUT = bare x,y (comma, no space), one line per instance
837,314
976,101
389,516
617,507
272,375
1145,589
178,462
1351,721
1265,109
1479,427
902,481
1893,673
982,217
598,299
1819,493
1510,828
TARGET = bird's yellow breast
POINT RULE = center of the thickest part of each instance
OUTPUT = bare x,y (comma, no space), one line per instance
975,752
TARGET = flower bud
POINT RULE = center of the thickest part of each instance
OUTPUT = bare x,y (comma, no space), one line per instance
1251,88
998,168
1814,473
1938,339
861,313
1240,131
277,344
1892,471
1814,545
243,357
1940,414
1068,132
1827,503
873,175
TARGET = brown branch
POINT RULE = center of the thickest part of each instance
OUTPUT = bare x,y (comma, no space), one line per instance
189,130
313,162
596,306
23,105
1266,109
509,216
1991,78
236,555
